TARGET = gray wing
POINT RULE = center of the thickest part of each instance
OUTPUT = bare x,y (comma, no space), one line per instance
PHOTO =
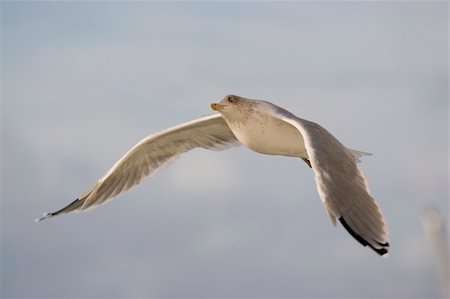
150,154
341,185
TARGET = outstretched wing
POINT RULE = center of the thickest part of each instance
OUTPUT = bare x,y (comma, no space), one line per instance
341,184
150,154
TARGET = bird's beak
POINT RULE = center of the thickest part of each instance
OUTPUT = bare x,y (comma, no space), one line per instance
216,106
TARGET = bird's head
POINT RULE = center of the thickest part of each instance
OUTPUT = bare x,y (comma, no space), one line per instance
235,108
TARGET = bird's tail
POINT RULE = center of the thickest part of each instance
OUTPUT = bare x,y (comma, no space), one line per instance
358,154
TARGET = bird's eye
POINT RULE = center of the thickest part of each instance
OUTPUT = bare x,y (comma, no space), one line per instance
231,99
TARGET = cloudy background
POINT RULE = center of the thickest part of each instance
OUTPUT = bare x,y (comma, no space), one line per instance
82,82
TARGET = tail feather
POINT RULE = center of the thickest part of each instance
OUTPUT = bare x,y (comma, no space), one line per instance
358,154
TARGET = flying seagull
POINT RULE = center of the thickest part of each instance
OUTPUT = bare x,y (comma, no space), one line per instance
267,129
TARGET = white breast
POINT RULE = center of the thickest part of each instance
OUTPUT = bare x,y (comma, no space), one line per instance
271,136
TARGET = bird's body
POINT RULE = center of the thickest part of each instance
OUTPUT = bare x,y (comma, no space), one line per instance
264,128
271,136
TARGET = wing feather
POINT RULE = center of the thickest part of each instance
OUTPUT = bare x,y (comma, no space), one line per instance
341,184
150,154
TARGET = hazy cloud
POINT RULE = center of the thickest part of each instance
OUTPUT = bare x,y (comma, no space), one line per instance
84,81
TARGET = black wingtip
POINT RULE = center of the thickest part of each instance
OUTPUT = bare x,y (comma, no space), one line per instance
73,206
381,251
44,216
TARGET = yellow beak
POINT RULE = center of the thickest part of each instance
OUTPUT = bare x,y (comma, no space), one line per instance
216,106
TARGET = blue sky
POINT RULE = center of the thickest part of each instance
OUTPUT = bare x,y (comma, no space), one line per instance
82,82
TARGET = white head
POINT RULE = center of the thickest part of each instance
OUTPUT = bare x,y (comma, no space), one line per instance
237,110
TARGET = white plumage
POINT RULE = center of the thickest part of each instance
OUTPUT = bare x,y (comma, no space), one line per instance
264,128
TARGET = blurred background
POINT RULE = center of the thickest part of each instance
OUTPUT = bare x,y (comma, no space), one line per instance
82,82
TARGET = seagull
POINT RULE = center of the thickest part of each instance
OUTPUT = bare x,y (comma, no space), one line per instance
266,129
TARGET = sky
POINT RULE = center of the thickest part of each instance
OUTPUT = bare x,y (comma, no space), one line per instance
82,82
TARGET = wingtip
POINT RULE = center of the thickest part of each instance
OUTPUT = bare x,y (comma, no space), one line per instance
44,216
382,251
